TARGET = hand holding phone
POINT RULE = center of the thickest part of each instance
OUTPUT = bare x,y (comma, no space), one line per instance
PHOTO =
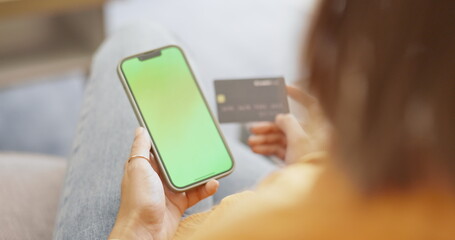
148,208
186,140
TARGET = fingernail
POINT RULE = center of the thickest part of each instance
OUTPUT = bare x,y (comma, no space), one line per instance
139,130
214,181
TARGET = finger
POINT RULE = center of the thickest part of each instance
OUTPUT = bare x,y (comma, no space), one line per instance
270,149
291,127
141,144
264,127
202,192
140,147
301,96
272,138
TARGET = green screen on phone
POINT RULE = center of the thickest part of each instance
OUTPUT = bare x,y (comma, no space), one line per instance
177,117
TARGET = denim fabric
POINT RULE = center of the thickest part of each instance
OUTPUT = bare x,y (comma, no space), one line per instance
91,194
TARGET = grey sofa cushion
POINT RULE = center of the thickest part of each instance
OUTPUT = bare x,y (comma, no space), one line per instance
30,186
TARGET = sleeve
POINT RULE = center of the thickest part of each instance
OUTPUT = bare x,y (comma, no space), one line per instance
273,211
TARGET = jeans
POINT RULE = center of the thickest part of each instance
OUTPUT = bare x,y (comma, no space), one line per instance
91,194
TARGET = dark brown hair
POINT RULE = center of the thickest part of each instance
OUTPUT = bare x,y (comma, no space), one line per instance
384,73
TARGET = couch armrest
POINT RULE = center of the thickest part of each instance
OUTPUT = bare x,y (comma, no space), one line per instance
30,187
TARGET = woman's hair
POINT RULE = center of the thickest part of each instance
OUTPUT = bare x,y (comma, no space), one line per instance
384,73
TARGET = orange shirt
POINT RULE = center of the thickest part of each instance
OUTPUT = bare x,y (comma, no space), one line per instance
307,200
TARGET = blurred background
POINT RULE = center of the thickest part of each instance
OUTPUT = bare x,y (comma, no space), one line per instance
46,47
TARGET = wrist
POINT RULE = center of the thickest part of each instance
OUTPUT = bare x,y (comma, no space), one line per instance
129,229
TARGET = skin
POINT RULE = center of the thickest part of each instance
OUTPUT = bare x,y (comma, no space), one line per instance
288,139
150,210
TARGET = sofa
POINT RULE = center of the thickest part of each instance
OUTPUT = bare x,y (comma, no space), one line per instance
30,186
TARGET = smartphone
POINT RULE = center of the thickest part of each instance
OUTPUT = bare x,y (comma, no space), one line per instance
167,99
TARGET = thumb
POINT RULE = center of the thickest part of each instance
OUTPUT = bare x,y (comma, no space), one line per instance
301,96
198,194
291,128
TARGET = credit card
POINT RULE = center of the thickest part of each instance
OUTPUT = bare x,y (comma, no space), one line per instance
250,100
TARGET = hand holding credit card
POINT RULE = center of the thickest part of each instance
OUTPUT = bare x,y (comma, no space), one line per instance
250,100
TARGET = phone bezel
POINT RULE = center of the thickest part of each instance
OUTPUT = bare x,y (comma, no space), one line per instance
142,123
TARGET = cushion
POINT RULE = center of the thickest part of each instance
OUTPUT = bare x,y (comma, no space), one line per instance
30,187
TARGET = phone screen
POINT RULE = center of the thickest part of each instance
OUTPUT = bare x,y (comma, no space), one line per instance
177,117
